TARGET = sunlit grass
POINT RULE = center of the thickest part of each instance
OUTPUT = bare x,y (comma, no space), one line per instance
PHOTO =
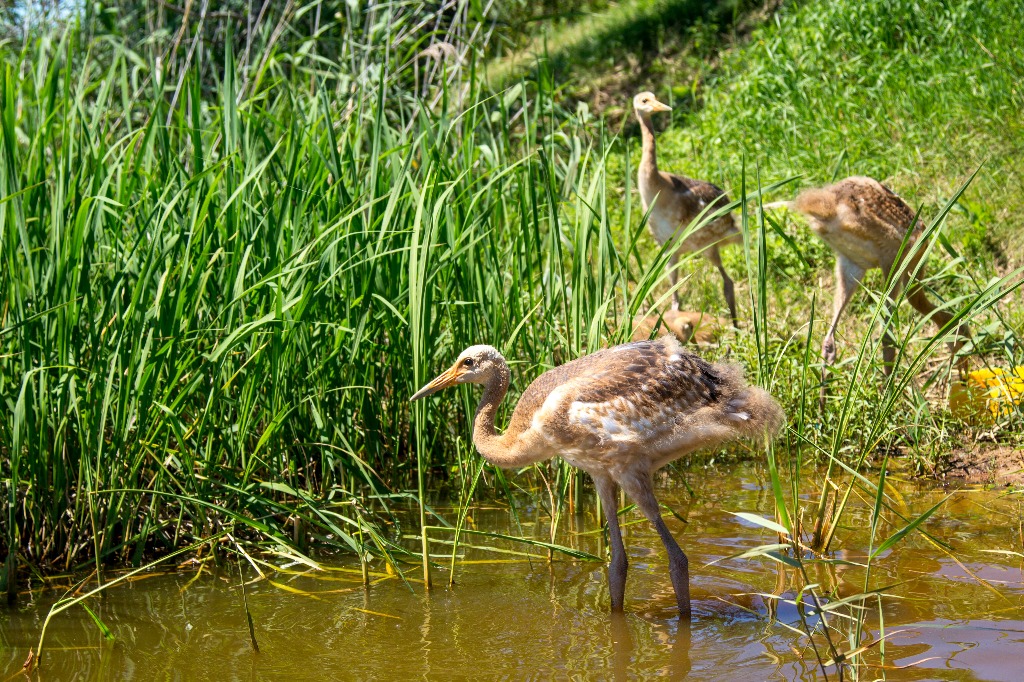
212,315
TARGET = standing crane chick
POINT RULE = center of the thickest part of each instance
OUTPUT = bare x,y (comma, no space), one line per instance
865,222
677,202
619,415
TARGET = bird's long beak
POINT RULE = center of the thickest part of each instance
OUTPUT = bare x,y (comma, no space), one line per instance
658,106
444,380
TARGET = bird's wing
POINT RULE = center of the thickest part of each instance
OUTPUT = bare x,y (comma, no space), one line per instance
617,392
876,202
708,193
636,391
886,206
652,371
701,191
693,196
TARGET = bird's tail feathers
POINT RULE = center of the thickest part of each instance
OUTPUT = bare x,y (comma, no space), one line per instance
817,202
755,413
750,410
758,414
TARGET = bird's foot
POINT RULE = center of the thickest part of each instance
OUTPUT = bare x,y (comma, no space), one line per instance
828,350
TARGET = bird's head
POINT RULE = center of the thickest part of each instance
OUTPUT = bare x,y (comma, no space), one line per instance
647,103
476,365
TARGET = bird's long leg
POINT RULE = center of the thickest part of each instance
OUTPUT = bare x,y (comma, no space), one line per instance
847,280
608,490
673,278
641,490
918,299
727,286
888,342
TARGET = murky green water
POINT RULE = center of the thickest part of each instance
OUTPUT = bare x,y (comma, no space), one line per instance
509,618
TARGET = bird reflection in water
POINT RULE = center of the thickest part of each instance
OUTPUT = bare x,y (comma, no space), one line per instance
675,643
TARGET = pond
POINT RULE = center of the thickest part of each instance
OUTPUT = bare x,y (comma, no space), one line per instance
949,615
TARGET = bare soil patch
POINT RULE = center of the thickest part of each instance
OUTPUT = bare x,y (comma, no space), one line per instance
996,464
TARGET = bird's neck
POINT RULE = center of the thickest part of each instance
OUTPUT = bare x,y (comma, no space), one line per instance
498,449
649,157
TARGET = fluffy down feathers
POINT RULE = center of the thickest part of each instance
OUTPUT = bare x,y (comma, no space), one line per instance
643,396
817,202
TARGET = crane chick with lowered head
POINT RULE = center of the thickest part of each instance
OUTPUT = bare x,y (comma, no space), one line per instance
868,226
619,415
677,201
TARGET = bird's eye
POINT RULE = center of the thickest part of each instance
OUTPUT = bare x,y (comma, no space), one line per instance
468,362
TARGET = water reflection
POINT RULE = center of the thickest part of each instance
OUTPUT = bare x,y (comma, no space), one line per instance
622,647
945,616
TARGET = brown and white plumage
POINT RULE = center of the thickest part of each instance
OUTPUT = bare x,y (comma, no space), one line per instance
864,222
618,414
677,202
861,219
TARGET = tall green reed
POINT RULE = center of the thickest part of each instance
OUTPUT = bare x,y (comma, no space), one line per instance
217,322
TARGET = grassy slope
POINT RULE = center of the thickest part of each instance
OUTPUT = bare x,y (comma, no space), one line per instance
920,94
619,36
915,94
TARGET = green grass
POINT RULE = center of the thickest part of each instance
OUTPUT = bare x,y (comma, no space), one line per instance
631,26
918,94
921,95
212,315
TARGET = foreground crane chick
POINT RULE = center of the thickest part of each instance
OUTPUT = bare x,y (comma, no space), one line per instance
619,415
677,202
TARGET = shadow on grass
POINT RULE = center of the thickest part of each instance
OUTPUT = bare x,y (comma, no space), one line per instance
637,28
